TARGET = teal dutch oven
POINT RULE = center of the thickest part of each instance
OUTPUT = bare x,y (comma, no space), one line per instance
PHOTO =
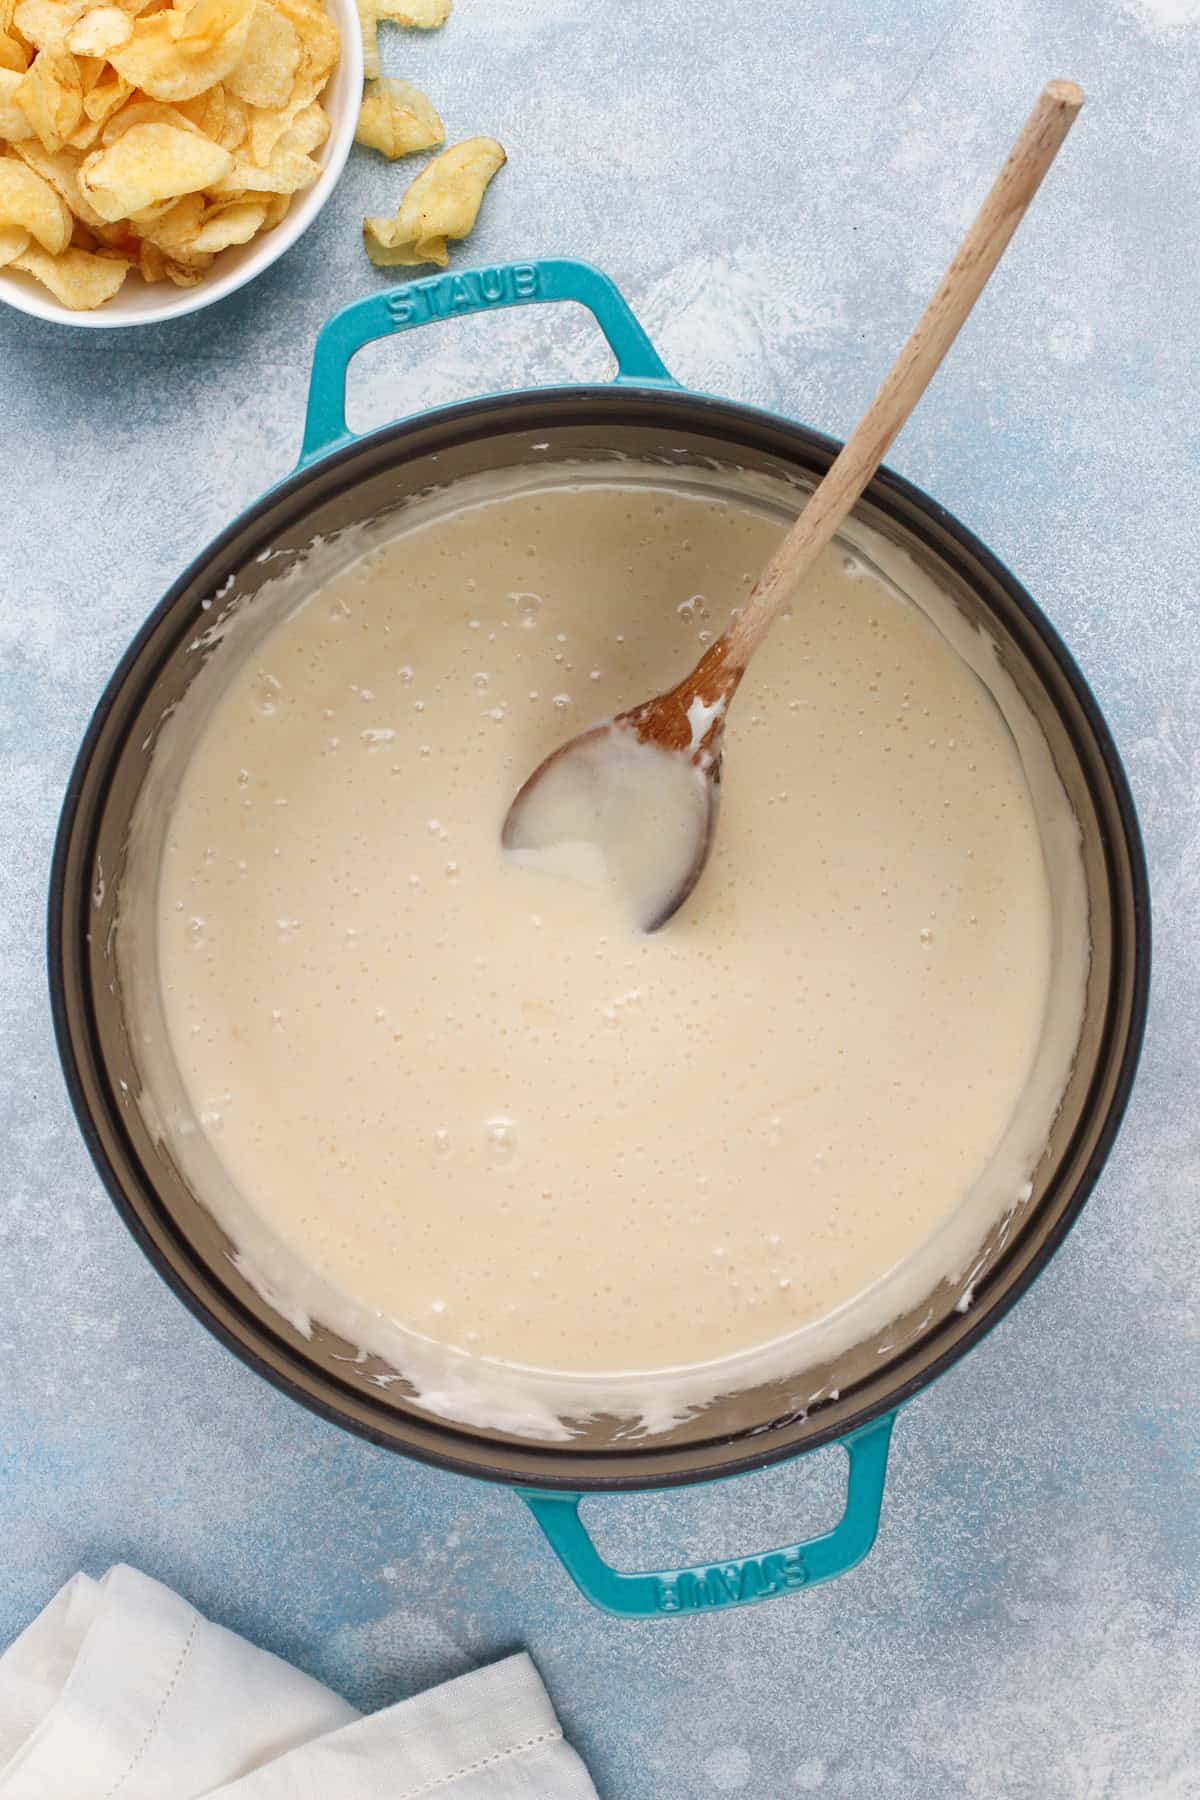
343,479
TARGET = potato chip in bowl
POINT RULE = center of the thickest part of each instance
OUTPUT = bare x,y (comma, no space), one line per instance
155,157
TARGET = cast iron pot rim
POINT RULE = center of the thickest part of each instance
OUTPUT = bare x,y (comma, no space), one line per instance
760,1454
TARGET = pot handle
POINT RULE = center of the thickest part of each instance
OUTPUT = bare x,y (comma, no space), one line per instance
669,1592
446,297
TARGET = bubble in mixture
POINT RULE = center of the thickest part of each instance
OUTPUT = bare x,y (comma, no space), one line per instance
501,1139
267,690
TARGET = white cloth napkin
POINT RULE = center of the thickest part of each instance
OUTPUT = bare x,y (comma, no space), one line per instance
122,1691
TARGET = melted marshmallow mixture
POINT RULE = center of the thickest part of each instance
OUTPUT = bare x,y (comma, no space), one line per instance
465,1091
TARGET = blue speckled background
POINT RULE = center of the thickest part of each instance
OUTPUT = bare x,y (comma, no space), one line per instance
776,188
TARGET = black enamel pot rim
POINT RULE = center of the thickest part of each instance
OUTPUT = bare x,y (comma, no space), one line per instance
736,425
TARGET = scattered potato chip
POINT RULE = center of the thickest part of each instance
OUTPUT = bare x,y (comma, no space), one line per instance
78,279
397,119
149,163
14,241
50,95
265,74
46,23
28,201
99,30
177,55
443,202
13,122
417,15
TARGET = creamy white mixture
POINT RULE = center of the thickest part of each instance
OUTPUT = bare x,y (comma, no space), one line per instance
476,1103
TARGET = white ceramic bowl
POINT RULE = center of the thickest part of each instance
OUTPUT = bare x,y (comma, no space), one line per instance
139,304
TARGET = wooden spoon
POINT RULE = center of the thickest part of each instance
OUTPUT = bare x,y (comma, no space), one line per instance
637,796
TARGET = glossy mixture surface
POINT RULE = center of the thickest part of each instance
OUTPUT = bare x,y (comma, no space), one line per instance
466,1092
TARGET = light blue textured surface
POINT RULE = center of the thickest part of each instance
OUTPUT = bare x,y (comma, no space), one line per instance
775,188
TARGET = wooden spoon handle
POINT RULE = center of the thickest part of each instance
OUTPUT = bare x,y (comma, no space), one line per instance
935,331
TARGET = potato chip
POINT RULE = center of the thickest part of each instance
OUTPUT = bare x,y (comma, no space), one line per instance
235,222
443,202
277,206
203,25
319,36
368,25
14,241
139,111
263,131
85,134
61,169
149,163
177,55
29,201
188,258
218,114
184,276
147,218
46,23
152,264
78,279
265,75
235,123
13,122
286,173
307,131
174,224
397,119
417,15
99,30
205,111
51,96
13,55
109,92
